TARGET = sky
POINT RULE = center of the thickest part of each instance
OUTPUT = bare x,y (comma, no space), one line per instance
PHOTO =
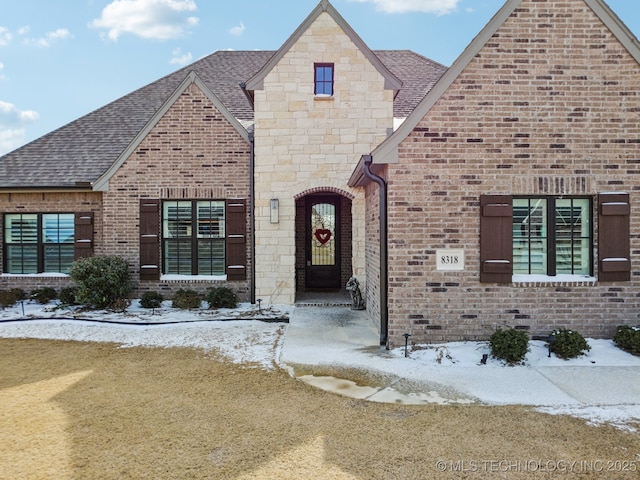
61,59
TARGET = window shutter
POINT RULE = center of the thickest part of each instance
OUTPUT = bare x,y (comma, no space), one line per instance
496,238
83,232
236,241
149,239
614,263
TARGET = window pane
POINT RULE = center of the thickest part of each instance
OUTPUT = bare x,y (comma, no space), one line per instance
573,236
21,228
324,80
176,219
22,259
530,236
211,257
211,220
21,239
57,228
177,257
58,258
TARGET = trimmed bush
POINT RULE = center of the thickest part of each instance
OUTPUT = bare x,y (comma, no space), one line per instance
7,298
19,293
222,297
628,339
68,296
567,343
186,299
509,344
44,295
151,300
103,281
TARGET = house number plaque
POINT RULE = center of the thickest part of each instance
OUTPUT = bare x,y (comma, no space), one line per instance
450,260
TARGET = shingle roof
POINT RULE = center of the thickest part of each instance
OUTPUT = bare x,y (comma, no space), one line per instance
84,149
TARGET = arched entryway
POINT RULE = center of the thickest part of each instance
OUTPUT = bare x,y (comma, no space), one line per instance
323,240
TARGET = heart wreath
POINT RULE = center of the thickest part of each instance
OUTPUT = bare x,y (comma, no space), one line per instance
323,235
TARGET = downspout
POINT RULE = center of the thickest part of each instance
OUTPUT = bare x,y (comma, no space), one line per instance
252,220
252,198
384,274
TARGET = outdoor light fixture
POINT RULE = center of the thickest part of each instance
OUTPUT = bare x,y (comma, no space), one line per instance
275,213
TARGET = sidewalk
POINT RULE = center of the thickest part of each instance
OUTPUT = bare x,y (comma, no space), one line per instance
336,342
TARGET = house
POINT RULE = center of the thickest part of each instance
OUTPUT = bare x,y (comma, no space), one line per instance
498,191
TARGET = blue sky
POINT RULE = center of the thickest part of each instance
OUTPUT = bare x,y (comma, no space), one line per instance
61,59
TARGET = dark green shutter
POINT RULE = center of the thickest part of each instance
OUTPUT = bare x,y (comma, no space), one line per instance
83,233
496,238
149,239
236,240
614,261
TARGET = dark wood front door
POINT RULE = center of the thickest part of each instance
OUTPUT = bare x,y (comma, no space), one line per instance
323,242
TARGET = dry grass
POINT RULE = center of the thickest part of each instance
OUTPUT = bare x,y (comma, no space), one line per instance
78,410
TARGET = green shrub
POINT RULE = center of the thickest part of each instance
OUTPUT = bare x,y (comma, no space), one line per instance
19,293
8,298
222,297
68,296
509,344
186,299
44,295
567,343
151,300
102,281
628,338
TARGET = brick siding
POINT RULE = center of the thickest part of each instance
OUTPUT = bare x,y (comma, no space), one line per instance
549,106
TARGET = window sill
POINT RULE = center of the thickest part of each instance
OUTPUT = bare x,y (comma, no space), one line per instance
193,278
521,278
35,275
324,98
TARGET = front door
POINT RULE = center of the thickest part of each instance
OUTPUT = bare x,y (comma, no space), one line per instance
323,242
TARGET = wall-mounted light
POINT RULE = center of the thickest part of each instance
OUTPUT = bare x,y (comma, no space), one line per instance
275,207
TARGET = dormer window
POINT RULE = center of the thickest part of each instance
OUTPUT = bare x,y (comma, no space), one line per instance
323,79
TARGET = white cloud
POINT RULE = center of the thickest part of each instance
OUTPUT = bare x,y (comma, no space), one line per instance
10,139
12,131
179,58
24,30
50,37
439,7
152,19
5,36
237,31
11,115
2,75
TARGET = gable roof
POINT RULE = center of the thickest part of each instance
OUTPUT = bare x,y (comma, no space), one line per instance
81,152
391,81
387,151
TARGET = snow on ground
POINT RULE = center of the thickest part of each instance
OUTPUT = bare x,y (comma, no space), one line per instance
255,337
224,331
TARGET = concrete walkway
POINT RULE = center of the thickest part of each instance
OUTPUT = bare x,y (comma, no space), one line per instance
337,349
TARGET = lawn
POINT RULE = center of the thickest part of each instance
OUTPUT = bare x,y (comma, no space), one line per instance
75,410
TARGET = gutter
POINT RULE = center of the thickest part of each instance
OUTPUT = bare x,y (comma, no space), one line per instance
252,221
384,273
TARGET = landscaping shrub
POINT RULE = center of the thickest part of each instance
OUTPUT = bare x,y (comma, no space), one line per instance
19,293
568,343
509,344
68,296
102,281
222,297
186,299
44,295
7,298
151,300
628,339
